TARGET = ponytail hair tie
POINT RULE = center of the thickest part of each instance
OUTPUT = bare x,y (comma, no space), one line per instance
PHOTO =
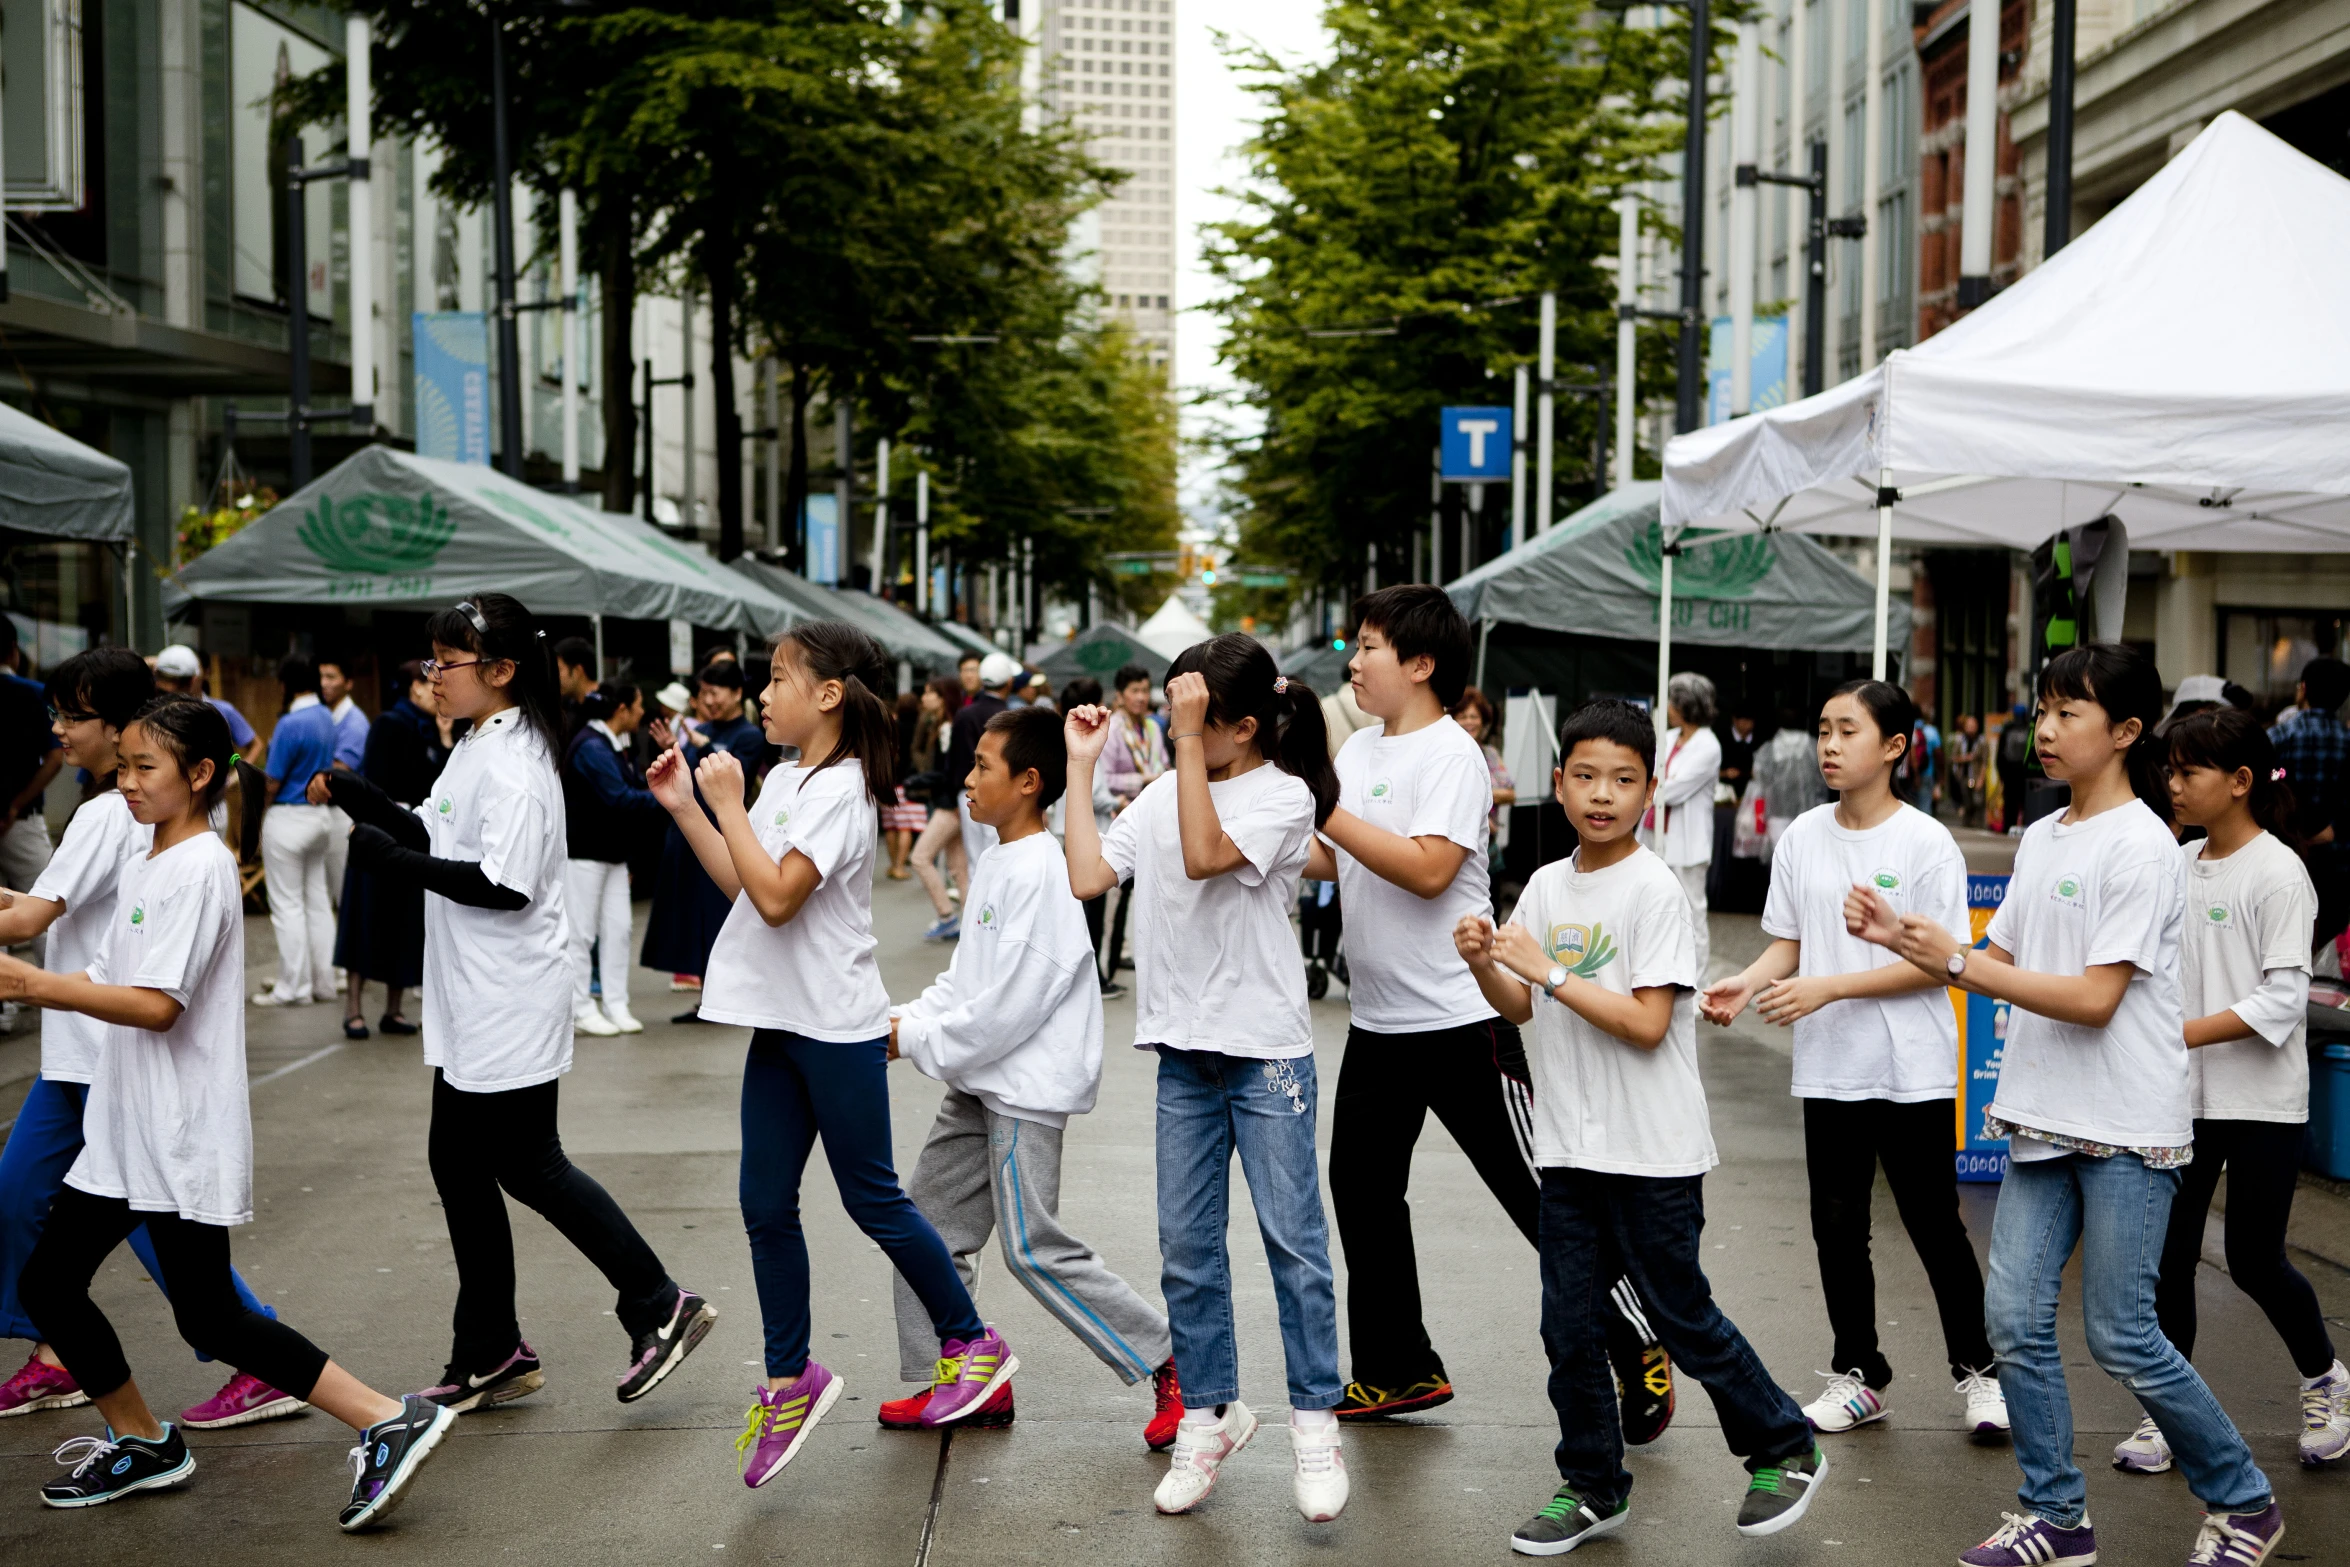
1280,685
2276,775
234,759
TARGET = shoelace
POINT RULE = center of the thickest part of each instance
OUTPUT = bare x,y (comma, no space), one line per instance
358,1457
83,1451
1978,1385
2216,1535
2317,1406
1843,1386
1316,1456
754,1425
1561,1507
949,1370
2012,1527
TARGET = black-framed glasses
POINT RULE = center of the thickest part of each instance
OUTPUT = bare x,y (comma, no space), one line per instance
434,668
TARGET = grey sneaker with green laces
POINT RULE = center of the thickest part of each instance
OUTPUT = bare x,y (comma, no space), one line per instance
1567,1522
1778,1494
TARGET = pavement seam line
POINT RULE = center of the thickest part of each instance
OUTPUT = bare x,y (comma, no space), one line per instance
938,1496
294,1066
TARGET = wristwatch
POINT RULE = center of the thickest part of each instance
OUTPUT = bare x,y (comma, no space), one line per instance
1955,964
1555,978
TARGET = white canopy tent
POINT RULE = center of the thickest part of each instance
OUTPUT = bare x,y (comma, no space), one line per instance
2183,366
1172,628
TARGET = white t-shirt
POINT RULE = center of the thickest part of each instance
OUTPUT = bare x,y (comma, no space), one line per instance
2108,890
813,975
1902,1048
2246,915
497,983
1016,1020
84,874
167,1127
1403,974
1216,965
1600,1103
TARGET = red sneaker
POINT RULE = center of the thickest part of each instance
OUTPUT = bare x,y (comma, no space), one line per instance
905,1414
1159,1435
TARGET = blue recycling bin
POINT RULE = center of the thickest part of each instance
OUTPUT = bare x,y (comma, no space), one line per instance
2327,1146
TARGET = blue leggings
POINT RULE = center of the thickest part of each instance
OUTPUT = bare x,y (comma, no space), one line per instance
42,1146
796,1089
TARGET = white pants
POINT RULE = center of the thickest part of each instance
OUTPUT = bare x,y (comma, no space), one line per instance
338,854
1693,884
596,893
24,854
294,843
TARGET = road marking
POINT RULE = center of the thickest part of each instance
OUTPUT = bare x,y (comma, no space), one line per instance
294,1066
938,1494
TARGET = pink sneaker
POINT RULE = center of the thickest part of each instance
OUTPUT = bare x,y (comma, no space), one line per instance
39,1385
777,1426
967,1375
242,1401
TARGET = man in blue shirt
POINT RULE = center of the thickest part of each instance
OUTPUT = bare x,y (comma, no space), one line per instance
295,838
2313,747
29,758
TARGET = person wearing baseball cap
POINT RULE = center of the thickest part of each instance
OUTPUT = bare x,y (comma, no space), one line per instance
178,668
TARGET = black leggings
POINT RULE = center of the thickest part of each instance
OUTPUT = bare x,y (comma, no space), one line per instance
1844,1140
82,1230
2262,1160
483,1142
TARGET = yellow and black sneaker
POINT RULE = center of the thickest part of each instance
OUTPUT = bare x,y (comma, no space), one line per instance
1364,1402
1644,1392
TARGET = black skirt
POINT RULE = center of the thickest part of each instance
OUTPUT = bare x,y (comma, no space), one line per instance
381,932
687,914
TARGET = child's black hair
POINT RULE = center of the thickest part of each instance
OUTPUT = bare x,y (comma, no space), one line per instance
605,700
836,650
2123,681
109,684
1889,707
1084,691
724,673
193,731
296,675
578,652
2225,739
494,626
2325,683
1419,620
1033,739
1244,682
1127,675
1616,721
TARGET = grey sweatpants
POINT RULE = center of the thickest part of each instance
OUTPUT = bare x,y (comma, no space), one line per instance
982,1173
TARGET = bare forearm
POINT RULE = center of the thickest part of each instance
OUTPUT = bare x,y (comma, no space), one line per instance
1207,852
1888,979
1778,961
1089,874
130,1005
2085,1000
2217,1029
1424,867
1628,1018
709,847
26,917
1505,992
775,896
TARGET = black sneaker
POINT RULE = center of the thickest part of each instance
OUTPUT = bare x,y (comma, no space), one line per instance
461,1392
108,1468
1778,1494
1567,1522
1364,1402
387,1458
661,1351
1644,1390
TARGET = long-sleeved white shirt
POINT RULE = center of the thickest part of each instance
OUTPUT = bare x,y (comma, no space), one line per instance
1016,1019
1687,771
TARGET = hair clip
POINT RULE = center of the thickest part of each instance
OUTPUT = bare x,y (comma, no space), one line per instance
542,634
1280,685
2277,775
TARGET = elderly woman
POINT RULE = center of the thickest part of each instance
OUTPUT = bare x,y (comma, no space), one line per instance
1680,825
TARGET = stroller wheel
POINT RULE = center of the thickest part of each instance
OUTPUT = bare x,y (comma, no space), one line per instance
1317,982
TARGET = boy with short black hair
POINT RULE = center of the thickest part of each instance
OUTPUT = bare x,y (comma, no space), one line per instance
1014,1029
1407,848
1600,957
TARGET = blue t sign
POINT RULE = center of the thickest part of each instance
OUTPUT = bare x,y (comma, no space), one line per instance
1476,444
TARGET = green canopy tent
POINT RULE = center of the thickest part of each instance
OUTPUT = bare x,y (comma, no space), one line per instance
54,486
902,636
1100,651
390,530
964,638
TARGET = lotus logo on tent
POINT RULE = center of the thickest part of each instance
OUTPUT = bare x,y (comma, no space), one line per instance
377,534
1713,567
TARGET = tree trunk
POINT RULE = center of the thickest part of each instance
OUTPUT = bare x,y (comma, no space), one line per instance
720,279
616,266
795,484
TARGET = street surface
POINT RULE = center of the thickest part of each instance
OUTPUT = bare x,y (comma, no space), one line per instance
349,1245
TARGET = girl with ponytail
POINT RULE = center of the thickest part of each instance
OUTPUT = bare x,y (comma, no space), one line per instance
2093,1098
1214,848
794,963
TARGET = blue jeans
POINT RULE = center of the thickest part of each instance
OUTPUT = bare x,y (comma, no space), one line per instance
796,1089
2118,1212
42,1146
1209,1105
1653,1224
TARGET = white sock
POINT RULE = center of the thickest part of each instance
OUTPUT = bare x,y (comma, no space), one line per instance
2331,1373
1201,1418
1314,1422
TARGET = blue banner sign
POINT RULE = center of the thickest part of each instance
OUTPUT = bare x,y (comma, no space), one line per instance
820,525
1982,1043
452,385
1475,444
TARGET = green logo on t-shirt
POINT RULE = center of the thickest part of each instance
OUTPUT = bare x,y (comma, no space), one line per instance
1583,949
987,916
2068,887
1382,789
2217,914
139,913
446,805
1887,879
783,816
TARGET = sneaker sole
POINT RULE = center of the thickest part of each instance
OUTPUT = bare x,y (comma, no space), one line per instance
1401,1406
395,1488
984,1420
73,1400
695,1331
2132,1466
504,1393
169,1477
1003,1374
1213,1475
1863,1420
1802,1505
823,1405
1988,1433
276,1409
1561,1547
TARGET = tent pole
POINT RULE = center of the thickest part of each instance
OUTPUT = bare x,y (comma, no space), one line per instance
1664,632
1484,630
596,621
1884,569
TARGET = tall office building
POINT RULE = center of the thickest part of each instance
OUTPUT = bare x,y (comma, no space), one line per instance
1109,66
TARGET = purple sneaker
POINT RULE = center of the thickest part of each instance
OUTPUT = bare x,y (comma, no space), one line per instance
242,1401
40,1385
2238,1539
465,1391
967,1374
2034,1542
778,1424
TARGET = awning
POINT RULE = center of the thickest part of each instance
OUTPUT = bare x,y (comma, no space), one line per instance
1101,650
902,635
53,485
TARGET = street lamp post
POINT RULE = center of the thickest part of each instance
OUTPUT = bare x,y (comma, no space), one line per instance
502,199
1689,399
1821,228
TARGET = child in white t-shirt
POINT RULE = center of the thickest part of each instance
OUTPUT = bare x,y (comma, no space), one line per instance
170,1144
1600,956
2093,1099
1215,848
1876,1051
794,963
1014,1029
2244,967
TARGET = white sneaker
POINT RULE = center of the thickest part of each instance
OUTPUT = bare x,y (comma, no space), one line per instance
1199,1453
275,997
1847,1401
1321,1472
2325,1417
623,1020
1986,1405
2144,1452
590,1021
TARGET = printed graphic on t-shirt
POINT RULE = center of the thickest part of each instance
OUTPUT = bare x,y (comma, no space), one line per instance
2067,891
1381,792
783,816
987,916
1584,949
139,912
2217,914
1887,879
444,805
